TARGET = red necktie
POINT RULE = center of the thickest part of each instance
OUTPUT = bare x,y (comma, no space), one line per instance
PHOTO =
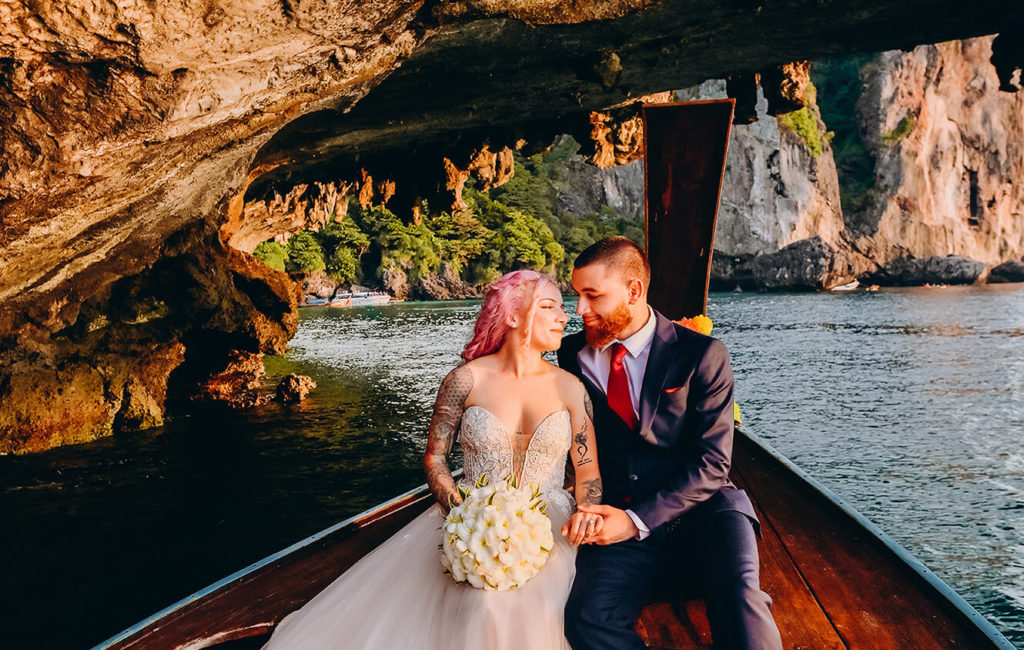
618,387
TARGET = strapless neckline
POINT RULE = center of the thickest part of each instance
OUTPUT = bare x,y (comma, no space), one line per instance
505,429
489,449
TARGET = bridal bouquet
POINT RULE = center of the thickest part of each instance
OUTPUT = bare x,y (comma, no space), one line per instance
498,537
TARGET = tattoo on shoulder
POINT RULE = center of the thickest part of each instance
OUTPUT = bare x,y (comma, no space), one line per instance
592,491
588,405
456,387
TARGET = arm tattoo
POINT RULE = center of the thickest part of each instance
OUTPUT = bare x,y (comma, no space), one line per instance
582,445
444,426
581,435
591,492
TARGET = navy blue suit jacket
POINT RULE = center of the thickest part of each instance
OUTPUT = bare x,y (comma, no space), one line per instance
679,459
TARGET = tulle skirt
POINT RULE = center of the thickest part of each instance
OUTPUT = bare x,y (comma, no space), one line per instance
399,597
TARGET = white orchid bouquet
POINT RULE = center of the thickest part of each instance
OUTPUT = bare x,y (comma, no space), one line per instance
498,537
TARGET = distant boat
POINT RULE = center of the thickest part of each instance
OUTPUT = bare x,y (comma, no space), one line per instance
849,286
361,299
351,299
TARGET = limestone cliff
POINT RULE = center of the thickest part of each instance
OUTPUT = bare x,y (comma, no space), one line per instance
948,148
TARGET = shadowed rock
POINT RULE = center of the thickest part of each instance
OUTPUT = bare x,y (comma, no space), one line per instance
294,388
1010,271
950,269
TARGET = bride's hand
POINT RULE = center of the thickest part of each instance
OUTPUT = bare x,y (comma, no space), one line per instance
582,525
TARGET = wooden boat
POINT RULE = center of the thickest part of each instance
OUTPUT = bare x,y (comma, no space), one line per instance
836,580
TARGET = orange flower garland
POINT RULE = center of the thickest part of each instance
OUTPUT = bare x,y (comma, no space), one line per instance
699,323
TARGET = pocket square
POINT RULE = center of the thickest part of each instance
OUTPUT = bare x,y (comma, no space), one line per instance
669,391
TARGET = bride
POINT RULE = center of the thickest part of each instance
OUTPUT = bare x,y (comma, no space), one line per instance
515,415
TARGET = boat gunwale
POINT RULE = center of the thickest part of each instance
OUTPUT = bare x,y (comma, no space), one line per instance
356,521
906,557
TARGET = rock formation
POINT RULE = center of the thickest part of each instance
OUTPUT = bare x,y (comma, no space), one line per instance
780,201
944,145
948,147
133,133
294,388
1009,271
140,341
237,384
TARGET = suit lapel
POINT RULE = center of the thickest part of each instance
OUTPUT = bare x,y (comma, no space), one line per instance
658,363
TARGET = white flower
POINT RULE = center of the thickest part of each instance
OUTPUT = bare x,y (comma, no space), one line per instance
498,538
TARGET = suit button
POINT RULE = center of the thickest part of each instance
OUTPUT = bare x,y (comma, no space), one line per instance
634,477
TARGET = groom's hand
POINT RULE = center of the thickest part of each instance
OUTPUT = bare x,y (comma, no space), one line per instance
618,526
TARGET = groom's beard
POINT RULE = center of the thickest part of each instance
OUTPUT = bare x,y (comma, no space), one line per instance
607,328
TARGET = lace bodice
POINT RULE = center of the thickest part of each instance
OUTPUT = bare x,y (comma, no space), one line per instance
486,448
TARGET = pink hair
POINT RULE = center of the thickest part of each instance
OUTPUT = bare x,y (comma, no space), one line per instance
505,297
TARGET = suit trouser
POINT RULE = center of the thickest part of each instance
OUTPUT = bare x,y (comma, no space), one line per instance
713,554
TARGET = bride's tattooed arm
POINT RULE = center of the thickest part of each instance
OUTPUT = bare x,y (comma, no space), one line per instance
584,455
444,426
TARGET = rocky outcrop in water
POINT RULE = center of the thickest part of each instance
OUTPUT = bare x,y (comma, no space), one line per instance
780,220
143,342
938,204
935,269
237,384
294,388
1009,271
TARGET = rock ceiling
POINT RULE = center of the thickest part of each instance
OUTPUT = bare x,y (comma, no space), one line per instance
125,122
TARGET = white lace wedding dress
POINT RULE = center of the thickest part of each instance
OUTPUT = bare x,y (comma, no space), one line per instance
398,597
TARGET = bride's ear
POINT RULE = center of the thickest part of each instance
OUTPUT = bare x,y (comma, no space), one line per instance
512,320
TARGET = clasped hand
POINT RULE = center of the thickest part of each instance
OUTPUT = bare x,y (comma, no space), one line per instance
599,524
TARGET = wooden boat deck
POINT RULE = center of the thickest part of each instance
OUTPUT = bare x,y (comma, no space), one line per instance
835,582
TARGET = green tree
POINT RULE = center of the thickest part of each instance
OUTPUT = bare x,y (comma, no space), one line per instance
343,244
272,254
304,253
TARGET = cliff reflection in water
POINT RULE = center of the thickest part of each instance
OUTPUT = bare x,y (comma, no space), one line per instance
907,403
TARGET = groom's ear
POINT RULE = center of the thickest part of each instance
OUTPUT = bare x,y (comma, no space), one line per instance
635,290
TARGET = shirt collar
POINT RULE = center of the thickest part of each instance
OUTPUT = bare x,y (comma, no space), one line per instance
640,339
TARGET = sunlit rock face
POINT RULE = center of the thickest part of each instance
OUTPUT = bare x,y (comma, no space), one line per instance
949,157
776,190
132,131
780,219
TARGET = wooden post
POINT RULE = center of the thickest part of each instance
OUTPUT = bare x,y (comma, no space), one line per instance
685,145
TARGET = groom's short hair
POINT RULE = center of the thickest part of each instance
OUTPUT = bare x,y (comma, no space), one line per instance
620,253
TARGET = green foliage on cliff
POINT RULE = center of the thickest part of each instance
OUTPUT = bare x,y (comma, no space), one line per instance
901,130
804,123
272,254
514,226
839,88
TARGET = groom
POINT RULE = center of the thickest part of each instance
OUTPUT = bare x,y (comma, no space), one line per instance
663,414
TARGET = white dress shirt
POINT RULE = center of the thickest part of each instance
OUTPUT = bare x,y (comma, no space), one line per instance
596,366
